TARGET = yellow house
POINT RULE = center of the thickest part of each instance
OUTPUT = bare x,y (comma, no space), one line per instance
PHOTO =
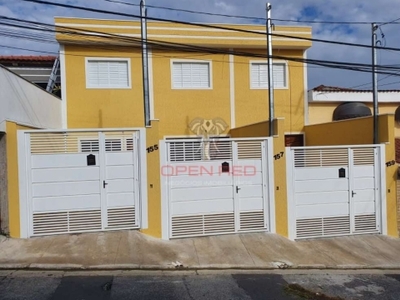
230,87
204,164
219,86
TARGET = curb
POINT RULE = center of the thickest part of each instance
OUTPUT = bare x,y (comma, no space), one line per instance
79,267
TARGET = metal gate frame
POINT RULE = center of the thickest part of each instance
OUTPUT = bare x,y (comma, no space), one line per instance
24,179
380,207
270,201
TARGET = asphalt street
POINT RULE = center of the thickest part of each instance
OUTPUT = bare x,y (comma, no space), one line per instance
190,285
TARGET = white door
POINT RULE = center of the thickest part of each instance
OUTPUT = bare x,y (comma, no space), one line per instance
120,182
79,181
364,192
215,187
334,191
251,185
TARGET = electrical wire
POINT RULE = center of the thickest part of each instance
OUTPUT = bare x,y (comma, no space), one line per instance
322,22
203,25
386,84
331,22
191,48
391,22
190,11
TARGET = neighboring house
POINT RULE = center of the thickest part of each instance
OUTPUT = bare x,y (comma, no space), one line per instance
23,106
327,104
35,68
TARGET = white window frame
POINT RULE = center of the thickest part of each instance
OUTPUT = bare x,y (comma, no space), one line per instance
122,59
280,62
209,62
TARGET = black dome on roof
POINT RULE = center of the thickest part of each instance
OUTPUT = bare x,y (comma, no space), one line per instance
351,110
397,115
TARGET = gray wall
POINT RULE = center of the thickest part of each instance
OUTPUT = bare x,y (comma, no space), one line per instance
3,186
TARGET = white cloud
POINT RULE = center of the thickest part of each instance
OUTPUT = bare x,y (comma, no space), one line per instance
338,10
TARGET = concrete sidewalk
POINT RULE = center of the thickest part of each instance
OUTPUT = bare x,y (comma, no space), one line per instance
133,250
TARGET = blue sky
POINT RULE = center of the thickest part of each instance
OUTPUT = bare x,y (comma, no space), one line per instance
303,10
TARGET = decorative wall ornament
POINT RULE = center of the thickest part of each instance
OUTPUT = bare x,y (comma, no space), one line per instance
209,130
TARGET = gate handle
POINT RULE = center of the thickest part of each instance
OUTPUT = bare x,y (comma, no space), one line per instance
104,184
237,189
352,193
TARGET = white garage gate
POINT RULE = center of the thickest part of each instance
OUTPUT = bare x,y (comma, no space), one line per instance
81,181
217,186
335,191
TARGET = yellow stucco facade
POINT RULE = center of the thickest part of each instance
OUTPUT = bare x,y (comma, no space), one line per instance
12,177
230,96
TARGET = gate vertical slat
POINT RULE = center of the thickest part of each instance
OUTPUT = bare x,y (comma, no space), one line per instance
351,188
236,203
103,194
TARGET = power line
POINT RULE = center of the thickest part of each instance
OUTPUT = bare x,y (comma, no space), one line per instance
323,22
192,48
335,22
369,83
205,25
30,50
190,11
74,31
153,54
390,22
386,84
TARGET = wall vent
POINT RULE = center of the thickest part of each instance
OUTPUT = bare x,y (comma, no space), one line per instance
197,225
365,223
249,149
364,156
123,217
305,158
66,222
252,220
322,227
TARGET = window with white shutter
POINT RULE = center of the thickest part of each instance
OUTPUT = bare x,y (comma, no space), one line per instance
191,75
102,73
259,75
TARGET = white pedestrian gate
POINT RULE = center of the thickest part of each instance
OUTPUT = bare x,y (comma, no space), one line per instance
80,181
335,191
216,186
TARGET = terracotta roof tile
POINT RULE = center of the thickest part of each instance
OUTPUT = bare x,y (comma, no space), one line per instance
325,88
31,58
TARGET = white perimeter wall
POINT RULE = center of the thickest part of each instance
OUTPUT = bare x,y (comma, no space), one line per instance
24,103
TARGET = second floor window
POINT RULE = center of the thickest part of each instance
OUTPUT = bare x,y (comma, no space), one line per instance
102,73
259,75
191,75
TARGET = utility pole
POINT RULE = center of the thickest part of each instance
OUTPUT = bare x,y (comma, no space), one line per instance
145,63
270,72
375,84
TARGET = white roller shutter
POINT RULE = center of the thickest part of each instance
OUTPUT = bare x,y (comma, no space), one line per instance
103,74
191,75
259,75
